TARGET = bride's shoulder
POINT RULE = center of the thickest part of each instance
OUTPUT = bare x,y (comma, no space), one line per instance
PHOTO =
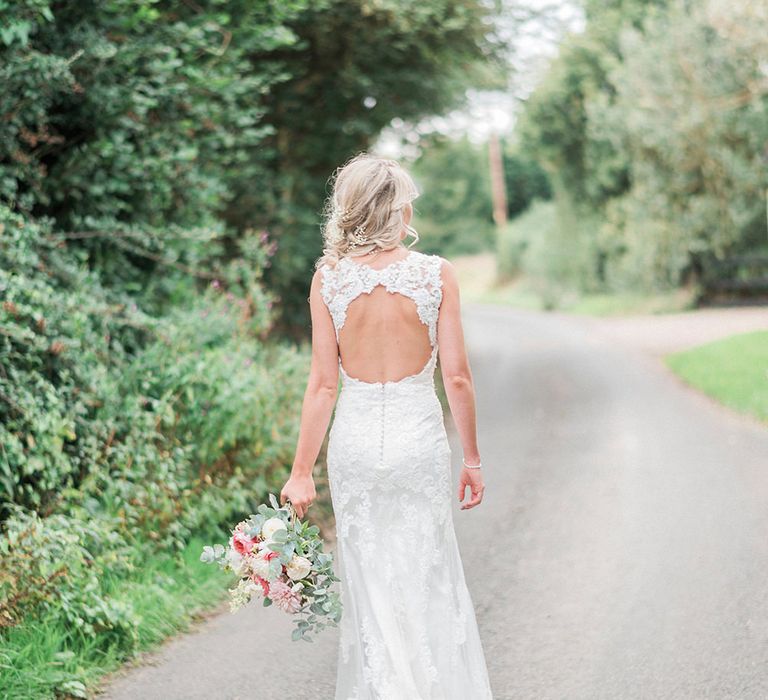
323,276
446,270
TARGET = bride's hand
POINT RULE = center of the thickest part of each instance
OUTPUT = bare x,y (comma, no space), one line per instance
301,492
474,479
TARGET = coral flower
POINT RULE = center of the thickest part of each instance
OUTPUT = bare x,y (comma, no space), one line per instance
264,583
242,544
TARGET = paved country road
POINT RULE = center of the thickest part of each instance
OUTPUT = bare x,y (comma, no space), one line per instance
621,550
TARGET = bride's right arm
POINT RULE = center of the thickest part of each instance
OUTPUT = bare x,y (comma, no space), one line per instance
319,400
457,379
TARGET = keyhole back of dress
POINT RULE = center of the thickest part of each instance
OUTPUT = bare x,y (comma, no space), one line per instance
383,338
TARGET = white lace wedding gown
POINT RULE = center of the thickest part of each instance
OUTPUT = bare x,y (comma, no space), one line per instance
408,629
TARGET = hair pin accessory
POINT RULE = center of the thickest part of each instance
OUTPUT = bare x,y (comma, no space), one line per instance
346,216
358,237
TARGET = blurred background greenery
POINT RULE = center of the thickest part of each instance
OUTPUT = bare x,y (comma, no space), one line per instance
162,171
651,124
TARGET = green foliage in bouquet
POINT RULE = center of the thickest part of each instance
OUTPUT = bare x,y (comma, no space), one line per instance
277,555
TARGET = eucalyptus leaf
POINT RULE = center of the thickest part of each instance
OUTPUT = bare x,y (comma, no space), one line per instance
280,536
208,555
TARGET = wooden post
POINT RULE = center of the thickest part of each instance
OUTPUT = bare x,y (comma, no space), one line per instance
498,186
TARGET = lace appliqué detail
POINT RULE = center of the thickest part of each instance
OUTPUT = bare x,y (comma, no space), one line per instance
416,276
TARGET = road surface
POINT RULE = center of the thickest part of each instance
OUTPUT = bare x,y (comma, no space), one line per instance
621,550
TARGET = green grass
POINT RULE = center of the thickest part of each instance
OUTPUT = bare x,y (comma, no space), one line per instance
516,296
733,370
522,294
620,304
479,281
42,659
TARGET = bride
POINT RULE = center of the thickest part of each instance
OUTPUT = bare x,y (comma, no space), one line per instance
380,311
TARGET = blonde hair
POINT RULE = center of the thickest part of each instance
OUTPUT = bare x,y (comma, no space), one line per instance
366,208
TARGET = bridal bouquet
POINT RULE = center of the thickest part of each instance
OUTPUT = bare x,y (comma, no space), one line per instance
277,556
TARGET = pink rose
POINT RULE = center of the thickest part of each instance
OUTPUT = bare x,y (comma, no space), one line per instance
242,544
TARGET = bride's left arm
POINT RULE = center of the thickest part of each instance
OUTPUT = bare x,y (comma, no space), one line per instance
319,400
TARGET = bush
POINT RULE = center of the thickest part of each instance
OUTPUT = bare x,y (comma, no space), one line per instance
124,433
453,215
513,240
653,121
56,565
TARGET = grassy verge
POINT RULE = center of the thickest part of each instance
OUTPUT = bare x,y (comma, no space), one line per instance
478,280
733,370
42,658
620,304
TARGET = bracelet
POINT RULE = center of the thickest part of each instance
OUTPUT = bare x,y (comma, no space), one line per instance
472,466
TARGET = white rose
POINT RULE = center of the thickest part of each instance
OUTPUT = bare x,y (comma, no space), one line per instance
260,566
270,527
234,559
298,567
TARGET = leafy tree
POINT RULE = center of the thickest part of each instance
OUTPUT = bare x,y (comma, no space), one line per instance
651,125
590,166
525,181
692,104
146,125
150,154
453,215
123,118
355,67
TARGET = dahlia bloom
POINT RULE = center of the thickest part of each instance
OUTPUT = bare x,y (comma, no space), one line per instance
282,596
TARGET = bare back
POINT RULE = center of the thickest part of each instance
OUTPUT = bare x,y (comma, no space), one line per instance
385,317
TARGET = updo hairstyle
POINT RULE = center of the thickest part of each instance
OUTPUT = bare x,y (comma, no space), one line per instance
366,208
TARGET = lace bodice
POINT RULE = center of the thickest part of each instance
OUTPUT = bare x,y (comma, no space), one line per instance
416,276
